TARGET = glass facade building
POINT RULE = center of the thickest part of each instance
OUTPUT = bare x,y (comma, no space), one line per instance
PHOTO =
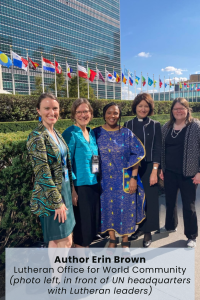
84,30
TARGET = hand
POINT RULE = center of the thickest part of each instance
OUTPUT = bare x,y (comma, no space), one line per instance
161,175
61,213
153,178
196,178
132,186
74,197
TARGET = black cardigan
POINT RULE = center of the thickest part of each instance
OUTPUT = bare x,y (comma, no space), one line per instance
191,155
152,139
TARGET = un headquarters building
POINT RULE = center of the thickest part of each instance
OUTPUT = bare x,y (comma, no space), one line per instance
87,30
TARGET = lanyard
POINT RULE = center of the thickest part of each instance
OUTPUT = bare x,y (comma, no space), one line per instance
62,151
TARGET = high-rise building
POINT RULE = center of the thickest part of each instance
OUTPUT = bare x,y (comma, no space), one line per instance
84,30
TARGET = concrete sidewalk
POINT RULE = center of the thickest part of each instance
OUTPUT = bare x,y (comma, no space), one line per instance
172,240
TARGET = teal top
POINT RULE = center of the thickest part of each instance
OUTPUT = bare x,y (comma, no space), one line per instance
81,152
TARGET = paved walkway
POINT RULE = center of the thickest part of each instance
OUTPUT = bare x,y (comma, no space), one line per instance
172,240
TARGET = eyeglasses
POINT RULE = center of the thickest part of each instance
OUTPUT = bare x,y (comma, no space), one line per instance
85,112
180,109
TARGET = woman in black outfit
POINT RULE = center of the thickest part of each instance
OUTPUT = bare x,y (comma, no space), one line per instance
149,132
181,167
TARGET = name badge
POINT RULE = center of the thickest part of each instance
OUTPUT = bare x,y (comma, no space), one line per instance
66,174
95,164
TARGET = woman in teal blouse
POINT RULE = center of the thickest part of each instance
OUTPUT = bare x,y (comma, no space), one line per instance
85,194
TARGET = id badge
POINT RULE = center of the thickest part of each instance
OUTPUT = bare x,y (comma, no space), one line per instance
95,164
66,174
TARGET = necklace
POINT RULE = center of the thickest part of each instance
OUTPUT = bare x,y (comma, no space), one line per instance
174,134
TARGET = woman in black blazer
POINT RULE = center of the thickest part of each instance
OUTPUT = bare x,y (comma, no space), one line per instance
149,132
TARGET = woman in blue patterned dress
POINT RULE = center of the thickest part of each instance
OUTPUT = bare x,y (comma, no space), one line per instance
122,197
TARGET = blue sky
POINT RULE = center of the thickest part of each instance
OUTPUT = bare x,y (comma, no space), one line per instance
156,35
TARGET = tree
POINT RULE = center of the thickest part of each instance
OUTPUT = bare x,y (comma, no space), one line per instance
38,86
61,85
83,88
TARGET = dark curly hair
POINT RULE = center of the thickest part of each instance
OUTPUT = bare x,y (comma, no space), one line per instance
109,105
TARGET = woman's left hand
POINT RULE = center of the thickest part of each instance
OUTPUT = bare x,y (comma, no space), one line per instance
153,178
132,186
196,178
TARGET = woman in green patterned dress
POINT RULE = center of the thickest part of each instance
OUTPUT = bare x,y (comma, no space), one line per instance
51,198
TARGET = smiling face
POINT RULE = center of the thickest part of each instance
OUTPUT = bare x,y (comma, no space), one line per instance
49,111
82,115
112,116
142,109
179,112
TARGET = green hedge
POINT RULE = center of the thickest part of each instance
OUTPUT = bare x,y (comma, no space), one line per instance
16,184
22,108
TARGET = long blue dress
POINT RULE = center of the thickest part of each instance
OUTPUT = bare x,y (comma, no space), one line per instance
119,151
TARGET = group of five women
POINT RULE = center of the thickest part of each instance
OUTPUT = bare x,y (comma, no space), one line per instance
110,173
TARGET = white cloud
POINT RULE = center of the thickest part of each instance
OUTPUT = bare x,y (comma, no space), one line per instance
174,70
125,94
197,72
144,54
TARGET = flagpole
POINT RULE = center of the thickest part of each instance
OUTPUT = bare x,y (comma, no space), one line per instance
128,84
113,84
97,82
141,81
153,86
135,82
67,79
12,70
1,79
147,82
55,76
42,74
188,92
174,87
105,83
159,89
121,82
164,88
29,87
78,80
179,87
88,82
183,89
169,88
196,92
192,92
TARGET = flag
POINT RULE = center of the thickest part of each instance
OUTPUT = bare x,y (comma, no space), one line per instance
19,61
198,88
69,71
92,75
5,60
100,76
170,84
180,85
137,79
143,81
48,65
125,72
154,83
185,84
124,78
165,84
130,81
188,86
117,78
32,65
131,74
110,77
192,87
58,68
160,83
150,81
82,72
88,72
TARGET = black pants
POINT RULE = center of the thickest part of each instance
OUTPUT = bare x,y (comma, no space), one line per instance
151,223
173,182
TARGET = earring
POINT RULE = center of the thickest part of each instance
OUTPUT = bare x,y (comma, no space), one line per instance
40,119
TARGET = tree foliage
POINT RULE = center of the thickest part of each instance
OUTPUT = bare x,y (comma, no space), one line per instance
83,88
